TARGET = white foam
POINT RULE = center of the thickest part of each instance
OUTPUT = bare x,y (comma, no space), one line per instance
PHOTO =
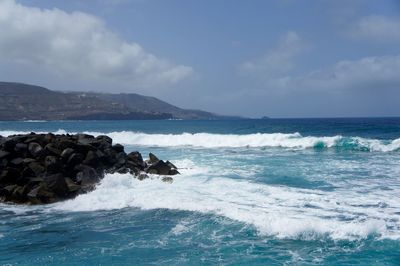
208,140
182,227
283,212
16,132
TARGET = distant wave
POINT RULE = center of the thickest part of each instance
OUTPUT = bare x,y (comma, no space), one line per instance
208,140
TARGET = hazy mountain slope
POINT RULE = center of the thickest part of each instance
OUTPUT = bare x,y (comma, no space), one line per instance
23,102
151,104
28,102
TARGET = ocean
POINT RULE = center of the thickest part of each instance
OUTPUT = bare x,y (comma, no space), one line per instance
250,192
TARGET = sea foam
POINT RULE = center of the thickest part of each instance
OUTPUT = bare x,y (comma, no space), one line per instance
279,211
208,140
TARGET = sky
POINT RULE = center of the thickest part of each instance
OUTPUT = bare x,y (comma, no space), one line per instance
276,58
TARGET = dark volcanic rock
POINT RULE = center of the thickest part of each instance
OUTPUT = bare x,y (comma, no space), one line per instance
87,177
118,148
46,168
152,158
75,159
35,149
159,167
21,148
66,153
51,149
9,175
56,183
52,164
3,154
37,168
136,158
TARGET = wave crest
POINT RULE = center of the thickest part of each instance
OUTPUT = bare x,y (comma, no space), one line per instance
256,140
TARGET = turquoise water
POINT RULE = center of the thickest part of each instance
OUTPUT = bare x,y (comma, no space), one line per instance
252,192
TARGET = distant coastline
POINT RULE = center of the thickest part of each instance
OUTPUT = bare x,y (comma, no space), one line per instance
25,102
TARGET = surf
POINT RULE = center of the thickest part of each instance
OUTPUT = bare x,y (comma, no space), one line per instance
257,140
278,211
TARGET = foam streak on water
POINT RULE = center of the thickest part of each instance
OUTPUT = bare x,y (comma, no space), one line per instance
282,212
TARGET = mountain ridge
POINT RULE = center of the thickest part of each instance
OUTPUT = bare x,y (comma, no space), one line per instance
21,101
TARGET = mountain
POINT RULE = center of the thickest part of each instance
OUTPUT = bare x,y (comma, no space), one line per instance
20,101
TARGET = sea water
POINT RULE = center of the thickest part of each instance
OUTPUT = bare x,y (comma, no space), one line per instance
250,192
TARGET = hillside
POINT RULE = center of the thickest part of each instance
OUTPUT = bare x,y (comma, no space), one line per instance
28,102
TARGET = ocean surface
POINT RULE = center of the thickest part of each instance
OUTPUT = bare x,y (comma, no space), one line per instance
251,192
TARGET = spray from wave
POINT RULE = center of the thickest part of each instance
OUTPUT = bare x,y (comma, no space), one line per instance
282,212
280,140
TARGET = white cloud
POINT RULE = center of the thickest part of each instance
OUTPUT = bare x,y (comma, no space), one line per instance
79,45
276,61
275,69
376,28
364,75
369,73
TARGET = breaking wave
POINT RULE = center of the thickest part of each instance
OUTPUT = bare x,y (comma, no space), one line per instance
279,211
208,140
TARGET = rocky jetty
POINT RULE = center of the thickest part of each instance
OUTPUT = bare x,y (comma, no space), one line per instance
46,168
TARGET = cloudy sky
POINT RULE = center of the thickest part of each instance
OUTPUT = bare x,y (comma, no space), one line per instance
282,58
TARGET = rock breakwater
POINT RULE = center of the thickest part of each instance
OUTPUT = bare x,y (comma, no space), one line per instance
46,168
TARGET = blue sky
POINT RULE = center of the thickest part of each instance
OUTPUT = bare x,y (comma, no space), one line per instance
280,58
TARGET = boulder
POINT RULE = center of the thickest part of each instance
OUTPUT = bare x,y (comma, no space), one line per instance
9,175
52,164
35,149
51,149
21,148
19,194
37,168
7,190
41,194
74,159
9,144
171,165
160,167
173,172
28,160
27,172
120,159
66,153
152,158
56,183
136,158
3,154
91,158
17,161
66,143
118,148
142,176
122,170
88,177
72,186
105,139
167,179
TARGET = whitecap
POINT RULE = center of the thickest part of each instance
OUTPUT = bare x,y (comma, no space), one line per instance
277,211
208,140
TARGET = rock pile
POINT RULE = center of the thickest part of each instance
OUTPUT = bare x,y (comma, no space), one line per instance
46,168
